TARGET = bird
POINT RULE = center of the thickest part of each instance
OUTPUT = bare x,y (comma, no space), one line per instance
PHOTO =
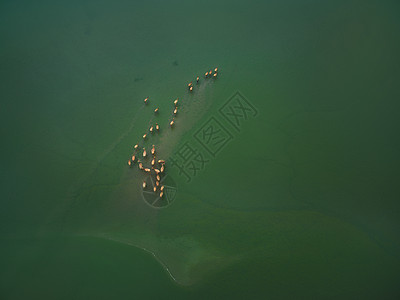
134,158
161,194
161,188
144,184
157,183
158,177
155,189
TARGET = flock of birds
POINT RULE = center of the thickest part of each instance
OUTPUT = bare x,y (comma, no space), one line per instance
157,167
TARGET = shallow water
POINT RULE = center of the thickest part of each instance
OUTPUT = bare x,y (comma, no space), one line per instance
300,199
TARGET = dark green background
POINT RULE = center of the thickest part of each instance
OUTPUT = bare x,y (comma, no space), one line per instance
302,203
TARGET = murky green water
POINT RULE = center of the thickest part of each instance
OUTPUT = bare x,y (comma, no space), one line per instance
298,198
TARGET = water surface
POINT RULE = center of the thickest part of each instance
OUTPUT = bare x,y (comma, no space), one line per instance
302,202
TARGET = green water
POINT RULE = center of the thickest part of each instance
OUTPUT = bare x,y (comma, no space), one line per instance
302,202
